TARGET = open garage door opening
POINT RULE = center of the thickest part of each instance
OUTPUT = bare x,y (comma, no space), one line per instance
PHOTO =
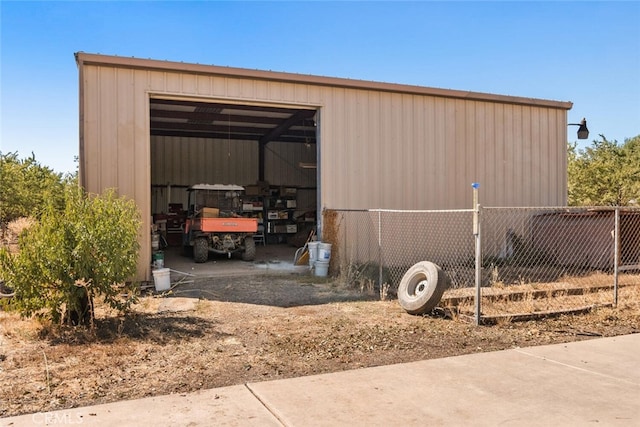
269,151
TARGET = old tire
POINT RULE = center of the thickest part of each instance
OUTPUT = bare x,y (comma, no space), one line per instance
421,287
201,250
249,253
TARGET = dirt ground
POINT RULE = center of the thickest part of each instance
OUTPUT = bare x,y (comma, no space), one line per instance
224,331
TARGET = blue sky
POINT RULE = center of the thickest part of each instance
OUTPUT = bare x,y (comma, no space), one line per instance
584,52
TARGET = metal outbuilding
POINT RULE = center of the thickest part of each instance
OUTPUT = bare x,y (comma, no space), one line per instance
149,128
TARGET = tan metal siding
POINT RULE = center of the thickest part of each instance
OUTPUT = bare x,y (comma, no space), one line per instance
125,108
379,148
115,140
431,150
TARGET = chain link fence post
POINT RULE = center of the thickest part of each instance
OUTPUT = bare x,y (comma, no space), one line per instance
616,255
380,248
478,253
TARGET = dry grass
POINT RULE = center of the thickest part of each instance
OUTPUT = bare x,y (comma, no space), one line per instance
9,234
330,231
545,299
214,343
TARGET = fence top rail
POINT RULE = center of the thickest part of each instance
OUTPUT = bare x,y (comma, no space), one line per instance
422,210
405,210
569,208
554,209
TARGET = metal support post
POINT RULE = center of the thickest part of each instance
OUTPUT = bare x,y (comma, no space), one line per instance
380,249
616,255
478,252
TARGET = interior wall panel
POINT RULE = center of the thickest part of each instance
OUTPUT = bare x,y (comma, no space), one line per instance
186,161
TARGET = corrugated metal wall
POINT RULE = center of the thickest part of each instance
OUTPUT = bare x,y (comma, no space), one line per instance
179,162
396,151
197,160
378,149
186,161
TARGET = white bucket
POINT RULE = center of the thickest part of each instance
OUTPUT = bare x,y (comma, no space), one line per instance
162,279
324,251
313,252
322,268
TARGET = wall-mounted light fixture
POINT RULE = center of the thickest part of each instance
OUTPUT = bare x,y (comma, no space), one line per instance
583,132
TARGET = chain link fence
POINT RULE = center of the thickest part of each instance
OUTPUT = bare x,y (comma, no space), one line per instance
532,260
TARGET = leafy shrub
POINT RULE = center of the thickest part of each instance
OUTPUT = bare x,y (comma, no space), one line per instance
605,173
27,187
70,256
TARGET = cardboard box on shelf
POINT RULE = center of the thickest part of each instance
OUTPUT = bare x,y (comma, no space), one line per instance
292,228
283,215
280,229
288,191
209,213
260,188
251,207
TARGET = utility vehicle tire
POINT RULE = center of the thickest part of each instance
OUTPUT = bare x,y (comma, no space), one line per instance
249,253
421,287
201,250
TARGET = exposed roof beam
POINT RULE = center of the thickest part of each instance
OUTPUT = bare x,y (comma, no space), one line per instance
224,136
225,129
210,117
222,105
222,128
276,132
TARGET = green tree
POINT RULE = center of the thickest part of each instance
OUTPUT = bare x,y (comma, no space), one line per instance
71,256
26,187
605,173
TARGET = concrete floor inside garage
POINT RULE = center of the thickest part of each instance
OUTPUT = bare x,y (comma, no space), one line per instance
270,259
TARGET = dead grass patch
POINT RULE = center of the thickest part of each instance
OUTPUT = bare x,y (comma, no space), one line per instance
537,300
218,343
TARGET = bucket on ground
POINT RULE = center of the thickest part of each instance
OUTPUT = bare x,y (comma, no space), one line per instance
322,268
324,251
313,252
158,259
162,279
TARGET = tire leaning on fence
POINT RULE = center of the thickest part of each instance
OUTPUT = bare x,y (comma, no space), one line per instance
421,287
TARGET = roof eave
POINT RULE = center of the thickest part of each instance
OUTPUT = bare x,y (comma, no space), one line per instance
83,58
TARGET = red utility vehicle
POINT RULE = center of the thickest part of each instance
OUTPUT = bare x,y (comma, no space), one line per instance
215,224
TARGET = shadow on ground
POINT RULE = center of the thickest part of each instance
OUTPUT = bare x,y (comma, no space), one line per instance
278,291
145,327
271,279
